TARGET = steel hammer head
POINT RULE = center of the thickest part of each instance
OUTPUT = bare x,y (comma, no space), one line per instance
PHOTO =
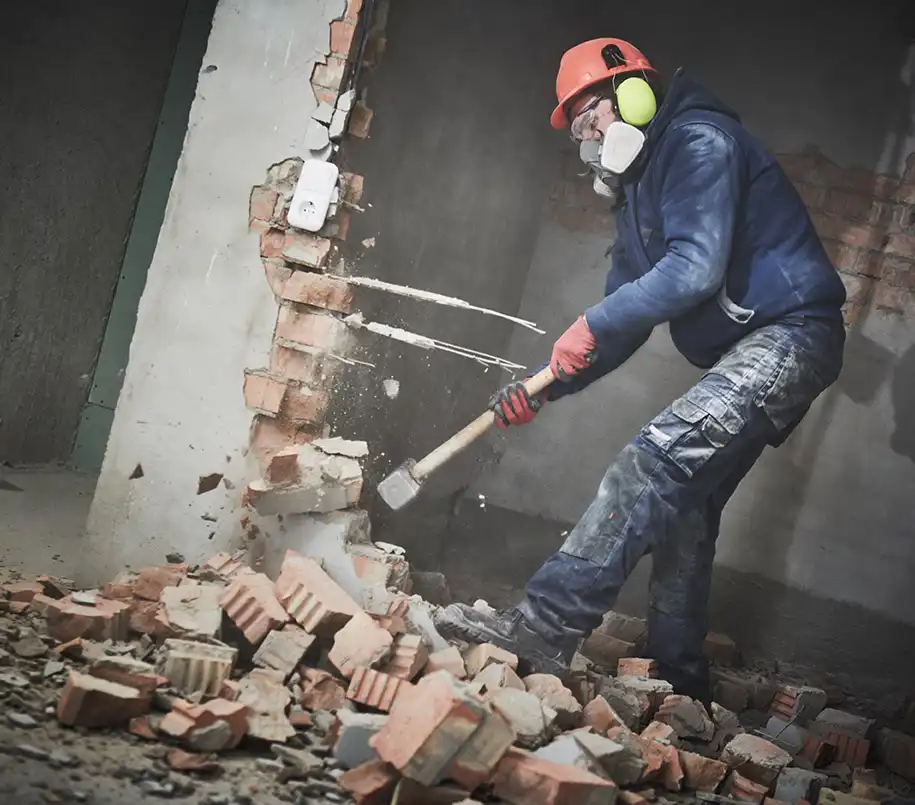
400,487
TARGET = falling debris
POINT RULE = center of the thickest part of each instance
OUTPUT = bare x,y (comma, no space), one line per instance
431,296
357,322
207,483
391,387
482,499
342,447
137,472
369,243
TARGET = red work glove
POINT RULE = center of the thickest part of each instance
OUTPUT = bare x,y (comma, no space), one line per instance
514,406
574,351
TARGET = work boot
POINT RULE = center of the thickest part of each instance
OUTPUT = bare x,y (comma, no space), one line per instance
510,630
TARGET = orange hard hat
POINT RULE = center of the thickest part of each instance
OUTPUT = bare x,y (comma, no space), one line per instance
591,63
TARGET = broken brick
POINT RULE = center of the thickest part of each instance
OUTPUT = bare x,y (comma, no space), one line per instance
192,608
637,666
688,717
283,468
262,203
797,704
523,779
87,701
600,716
283,649
672,774
179,760
372,783
720,649
476,760
654,754
266,698
428,729
755,758
143,617
361,643
141,727
151,581
130,672
311,597
495,676
551,692
301,330
408,656
702,773
477,657
197,668
316,290
659,731
226,565
740,788
107,620
22,590
447,659
321,690
532,720
251,603
376,689
117,591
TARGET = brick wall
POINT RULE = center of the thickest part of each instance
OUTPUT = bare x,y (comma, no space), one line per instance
867,223
289,397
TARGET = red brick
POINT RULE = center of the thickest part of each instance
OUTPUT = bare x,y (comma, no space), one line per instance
868,263
306,249
251,603
817,750
329,75
305,405
283,649
318,330
264,394
755,758
141,727
812,196
129,672
309,288
314,599
22,590
376,688
658,731
878,185
142,615
324,95
341,38
828,227
284,467
851,205
321,690
180,760
107,620
262,203
153,580
637,666
672,774
353,7
272,243
353,187
360,120
117,591
702,773
842,256
269,436
902,245
720,649
337,227
523,779
600,716
447,659
893,299
185,717
372,783
300,366
277,274
898,750
861,236
849,748
740,788
857,289
225,564
653,753
476,658
86,701
408,656
360,643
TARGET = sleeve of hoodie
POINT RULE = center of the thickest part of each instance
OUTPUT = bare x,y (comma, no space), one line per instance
613,355
701,173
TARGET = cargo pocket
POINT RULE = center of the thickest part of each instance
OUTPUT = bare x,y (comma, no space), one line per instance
693,428
793,386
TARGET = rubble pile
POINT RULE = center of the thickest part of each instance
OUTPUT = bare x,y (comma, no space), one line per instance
346,700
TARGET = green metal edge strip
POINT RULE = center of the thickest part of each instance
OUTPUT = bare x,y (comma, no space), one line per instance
168,141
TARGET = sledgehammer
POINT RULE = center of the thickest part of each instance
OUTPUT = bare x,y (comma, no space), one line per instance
402,485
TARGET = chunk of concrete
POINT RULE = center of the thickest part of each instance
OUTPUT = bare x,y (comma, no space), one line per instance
477,657
193,608
361,643
266,698
495,676
283,649
353,733
755,758
617,762
687,717
795,784
447,659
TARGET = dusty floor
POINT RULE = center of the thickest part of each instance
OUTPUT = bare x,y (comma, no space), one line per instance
42,516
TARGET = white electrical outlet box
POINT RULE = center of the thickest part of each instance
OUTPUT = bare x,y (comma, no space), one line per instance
313,193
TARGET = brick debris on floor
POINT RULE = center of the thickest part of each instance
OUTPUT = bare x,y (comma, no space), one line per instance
297,691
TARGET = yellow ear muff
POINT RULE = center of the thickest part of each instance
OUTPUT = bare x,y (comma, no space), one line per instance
636,101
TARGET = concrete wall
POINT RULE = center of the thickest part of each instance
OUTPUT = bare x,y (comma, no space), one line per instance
815,559
207,312
81,97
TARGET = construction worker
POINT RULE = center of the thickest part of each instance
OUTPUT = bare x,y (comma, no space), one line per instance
714,240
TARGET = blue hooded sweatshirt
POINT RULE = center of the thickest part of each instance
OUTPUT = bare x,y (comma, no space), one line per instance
713,238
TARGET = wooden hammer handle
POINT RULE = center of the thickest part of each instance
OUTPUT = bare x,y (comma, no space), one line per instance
464,438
